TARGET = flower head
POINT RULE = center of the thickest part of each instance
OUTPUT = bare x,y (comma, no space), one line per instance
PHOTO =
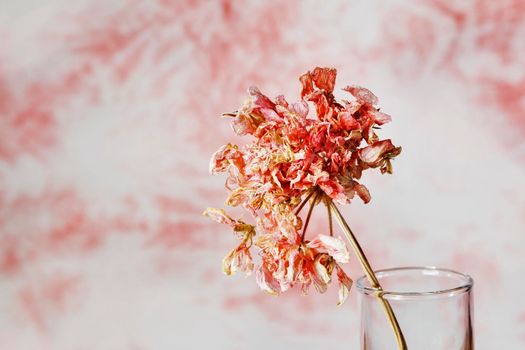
293,155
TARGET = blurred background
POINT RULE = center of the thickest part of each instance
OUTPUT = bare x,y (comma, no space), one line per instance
110,111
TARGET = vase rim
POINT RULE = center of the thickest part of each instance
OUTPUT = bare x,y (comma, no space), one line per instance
465,283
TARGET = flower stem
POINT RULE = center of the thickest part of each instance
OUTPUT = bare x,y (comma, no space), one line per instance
330,220
309,215
303,203
374,282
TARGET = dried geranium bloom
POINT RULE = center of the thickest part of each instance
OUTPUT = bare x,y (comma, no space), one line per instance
293,159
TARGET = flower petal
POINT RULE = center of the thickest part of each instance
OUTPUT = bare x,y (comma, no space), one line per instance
334,190
362,95
362,192
245,261
224,157
334,246
381,118
246,123
374,154
345,284
300,108
227,262
271,115
347,121
324,78
307,83
219,215
320,269
294,265
260,100
281,101
266,281
238,258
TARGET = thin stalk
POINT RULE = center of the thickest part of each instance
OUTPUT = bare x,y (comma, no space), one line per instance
330,220
309,215
374,282
303,203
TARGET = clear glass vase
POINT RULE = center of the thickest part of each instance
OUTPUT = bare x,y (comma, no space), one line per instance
433,307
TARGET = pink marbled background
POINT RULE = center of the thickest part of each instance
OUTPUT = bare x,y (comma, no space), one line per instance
108,116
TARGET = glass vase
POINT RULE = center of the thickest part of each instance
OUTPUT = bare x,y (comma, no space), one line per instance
433,307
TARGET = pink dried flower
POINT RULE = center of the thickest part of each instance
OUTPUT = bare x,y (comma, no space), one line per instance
286,263
293,155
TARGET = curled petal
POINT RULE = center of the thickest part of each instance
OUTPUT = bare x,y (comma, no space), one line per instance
300,108
224,157
237,197
334,190
322,106
246,262
335,247
295,263
381,118
246,123
352,187
322,272
352,107
305,287
266,281
280,100
219,215
386,167
324,78
299,175
318,137
289,268
246,120
318,278
335,163
228,261
281,276
348,122
244,231
307,83
363,192
265,241
288,226
238,258
345,284
375,154
362,95
232,181
260,100
271,115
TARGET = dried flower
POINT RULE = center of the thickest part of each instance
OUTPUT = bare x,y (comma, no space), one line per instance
294,155
239,258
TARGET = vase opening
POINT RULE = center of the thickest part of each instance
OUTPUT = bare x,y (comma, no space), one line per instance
417,282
